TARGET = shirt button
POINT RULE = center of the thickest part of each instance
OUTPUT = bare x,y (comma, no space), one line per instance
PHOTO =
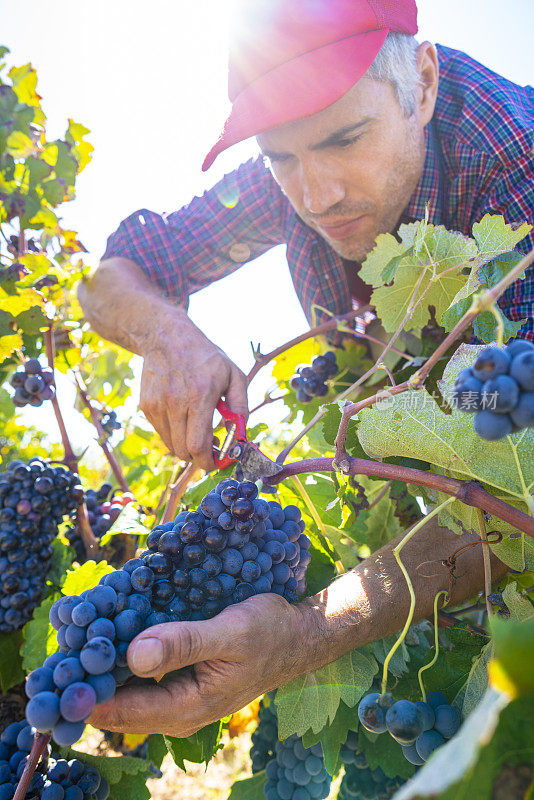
239,252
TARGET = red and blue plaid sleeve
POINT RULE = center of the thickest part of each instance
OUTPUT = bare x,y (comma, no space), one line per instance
235,221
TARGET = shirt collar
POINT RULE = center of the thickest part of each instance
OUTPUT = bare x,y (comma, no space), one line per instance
430,187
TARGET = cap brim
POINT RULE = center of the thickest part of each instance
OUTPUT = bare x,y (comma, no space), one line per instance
298,88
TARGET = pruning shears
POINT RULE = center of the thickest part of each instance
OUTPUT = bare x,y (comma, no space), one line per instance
236,448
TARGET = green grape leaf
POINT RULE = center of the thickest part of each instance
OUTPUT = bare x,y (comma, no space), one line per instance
249,788
347,550
85,576
493,236
321,571
447,249
62,558
381,523
519,605
198,748
128,521
197,491
333,736
11,671
476,684
386,249
330,424
465,757
112,768
156,749
312,700
39,636
386,753
398,664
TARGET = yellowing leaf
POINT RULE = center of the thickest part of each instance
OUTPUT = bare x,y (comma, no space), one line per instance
8,344
19,145
24,84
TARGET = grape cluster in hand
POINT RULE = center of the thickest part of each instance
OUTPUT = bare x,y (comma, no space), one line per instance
360,782
236,545
101,514
499,390
34,498
110,422
310,381
419,727
33,384
54,778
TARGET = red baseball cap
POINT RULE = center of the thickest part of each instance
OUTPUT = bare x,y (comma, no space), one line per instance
293,58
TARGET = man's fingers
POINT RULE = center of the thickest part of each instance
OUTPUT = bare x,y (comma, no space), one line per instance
199,436
152,709
172,645
236,393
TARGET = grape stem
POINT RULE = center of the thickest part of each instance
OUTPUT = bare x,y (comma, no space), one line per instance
469,492
396,553
436,643
106,449
39,746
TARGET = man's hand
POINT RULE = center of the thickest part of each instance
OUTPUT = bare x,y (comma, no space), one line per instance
248,649
184,376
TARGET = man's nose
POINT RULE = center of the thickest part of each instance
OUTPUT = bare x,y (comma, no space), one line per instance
321,189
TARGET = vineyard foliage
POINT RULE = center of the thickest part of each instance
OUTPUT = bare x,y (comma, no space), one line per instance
426,280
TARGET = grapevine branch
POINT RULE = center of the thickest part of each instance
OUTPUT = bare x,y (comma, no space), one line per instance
110,456
332,324
486,557
89,540
481,302
70,458
469,492
177,490
39,746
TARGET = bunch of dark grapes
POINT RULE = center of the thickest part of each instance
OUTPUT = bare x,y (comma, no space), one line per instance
296,772
236,545
34,498
360,782
33,384
101,514
419,727
110,422
265,736
499,390
310,381
54,779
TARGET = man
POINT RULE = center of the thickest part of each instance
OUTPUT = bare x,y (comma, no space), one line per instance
361,127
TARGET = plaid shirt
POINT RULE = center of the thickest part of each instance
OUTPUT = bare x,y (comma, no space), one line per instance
479,160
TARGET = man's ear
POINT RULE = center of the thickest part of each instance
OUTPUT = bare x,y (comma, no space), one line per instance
427,91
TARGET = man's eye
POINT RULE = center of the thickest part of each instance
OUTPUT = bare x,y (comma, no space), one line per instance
347,142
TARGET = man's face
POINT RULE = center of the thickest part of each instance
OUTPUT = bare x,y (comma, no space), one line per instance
350,170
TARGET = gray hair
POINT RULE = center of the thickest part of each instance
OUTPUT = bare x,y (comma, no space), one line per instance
396,63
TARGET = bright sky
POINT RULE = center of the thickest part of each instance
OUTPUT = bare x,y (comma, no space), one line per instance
149,80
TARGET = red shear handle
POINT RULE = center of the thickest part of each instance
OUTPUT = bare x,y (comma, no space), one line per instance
240,432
